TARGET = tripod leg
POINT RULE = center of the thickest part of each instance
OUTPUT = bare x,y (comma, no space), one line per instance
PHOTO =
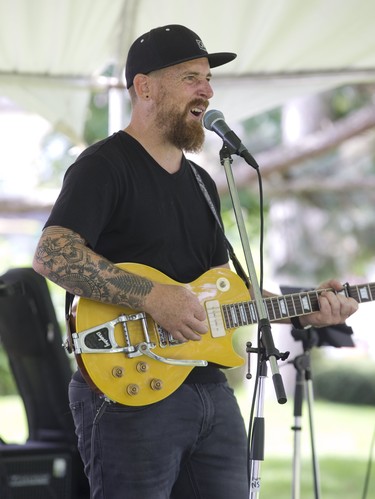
298,399
303,380
310,399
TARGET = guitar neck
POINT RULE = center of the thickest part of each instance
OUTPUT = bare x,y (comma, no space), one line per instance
290,305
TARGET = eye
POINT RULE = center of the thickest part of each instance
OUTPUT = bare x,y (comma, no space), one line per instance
195,78
191,77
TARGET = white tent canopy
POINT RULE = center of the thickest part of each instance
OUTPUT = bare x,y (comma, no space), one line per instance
52,52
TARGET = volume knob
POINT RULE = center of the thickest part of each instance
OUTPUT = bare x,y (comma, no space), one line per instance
156,384
132,389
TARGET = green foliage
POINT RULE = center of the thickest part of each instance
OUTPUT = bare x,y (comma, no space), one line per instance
346,382
263,131
251,212
96,127
348,98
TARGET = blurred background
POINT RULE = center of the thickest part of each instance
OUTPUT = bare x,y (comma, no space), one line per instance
301,95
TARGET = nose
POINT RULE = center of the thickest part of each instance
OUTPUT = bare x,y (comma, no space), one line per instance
205,90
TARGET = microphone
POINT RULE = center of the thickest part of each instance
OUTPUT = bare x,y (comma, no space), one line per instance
214,121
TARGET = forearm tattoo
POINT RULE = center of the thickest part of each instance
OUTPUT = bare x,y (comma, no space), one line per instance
68,262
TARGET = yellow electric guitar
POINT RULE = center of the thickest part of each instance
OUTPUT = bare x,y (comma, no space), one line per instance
125,355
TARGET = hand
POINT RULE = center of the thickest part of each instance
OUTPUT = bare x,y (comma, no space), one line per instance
177,310
334,308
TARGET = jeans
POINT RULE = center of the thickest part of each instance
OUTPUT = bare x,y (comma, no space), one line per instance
191,445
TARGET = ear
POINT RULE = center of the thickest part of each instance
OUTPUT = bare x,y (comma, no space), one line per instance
141,86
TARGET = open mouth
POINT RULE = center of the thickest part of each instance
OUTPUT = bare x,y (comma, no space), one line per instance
197,112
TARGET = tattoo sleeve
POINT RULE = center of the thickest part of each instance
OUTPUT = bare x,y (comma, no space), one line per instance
63,257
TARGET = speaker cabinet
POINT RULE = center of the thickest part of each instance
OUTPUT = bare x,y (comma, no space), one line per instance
35,472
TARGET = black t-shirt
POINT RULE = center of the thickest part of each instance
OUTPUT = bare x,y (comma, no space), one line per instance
129,209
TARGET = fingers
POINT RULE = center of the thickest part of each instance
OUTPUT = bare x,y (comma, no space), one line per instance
178,311
331,284
191,331
336,308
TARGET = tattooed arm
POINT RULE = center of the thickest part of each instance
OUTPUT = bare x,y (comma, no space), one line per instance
63,257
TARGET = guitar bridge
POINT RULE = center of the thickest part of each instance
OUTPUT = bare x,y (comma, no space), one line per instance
165,338
101,338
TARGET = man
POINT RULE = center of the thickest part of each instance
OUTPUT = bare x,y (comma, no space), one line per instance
133,197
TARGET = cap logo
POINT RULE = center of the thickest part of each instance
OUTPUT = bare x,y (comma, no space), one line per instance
201,45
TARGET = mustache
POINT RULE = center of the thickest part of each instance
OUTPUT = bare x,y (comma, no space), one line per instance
204,103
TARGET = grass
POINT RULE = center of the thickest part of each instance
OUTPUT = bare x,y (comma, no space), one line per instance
342,441
13,422
343,435
340,478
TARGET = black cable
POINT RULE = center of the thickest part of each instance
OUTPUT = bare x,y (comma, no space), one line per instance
260,353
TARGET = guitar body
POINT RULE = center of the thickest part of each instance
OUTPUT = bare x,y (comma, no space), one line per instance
137,379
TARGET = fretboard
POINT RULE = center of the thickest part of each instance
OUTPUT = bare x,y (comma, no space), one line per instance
291,305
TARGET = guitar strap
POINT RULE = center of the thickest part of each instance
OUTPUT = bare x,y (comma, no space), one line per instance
239,269
69,323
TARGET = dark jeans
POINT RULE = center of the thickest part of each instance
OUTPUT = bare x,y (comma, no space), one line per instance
191,445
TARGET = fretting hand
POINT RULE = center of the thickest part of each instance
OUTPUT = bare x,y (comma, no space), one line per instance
335,307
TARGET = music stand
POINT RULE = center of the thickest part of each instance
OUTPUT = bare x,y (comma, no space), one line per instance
336,336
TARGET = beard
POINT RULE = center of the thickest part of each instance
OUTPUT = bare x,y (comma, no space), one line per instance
178,131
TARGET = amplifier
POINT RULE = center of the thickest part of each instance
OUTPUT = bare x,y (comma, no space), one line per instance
35,472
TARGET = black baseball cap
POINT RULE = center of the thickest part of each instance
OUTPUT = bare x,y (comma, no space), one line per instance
166,46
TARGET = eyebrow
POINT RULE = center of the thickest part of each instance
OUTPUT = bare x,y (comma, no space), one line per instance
196,73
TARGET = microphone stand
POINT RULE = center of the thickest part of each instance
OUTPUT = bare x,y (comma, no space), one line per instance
266,348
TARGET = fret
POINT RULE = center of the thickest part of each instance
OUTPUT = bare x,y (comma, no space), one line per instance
226,316
286,306
250,318
297,304
275,306
273,309
315,301
233,316
269,309
362,292
283,307
241,314
292,300
305,302
253,312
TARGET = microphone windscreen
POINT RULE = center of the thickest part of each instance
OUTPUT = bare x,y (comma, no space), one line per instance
210,117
